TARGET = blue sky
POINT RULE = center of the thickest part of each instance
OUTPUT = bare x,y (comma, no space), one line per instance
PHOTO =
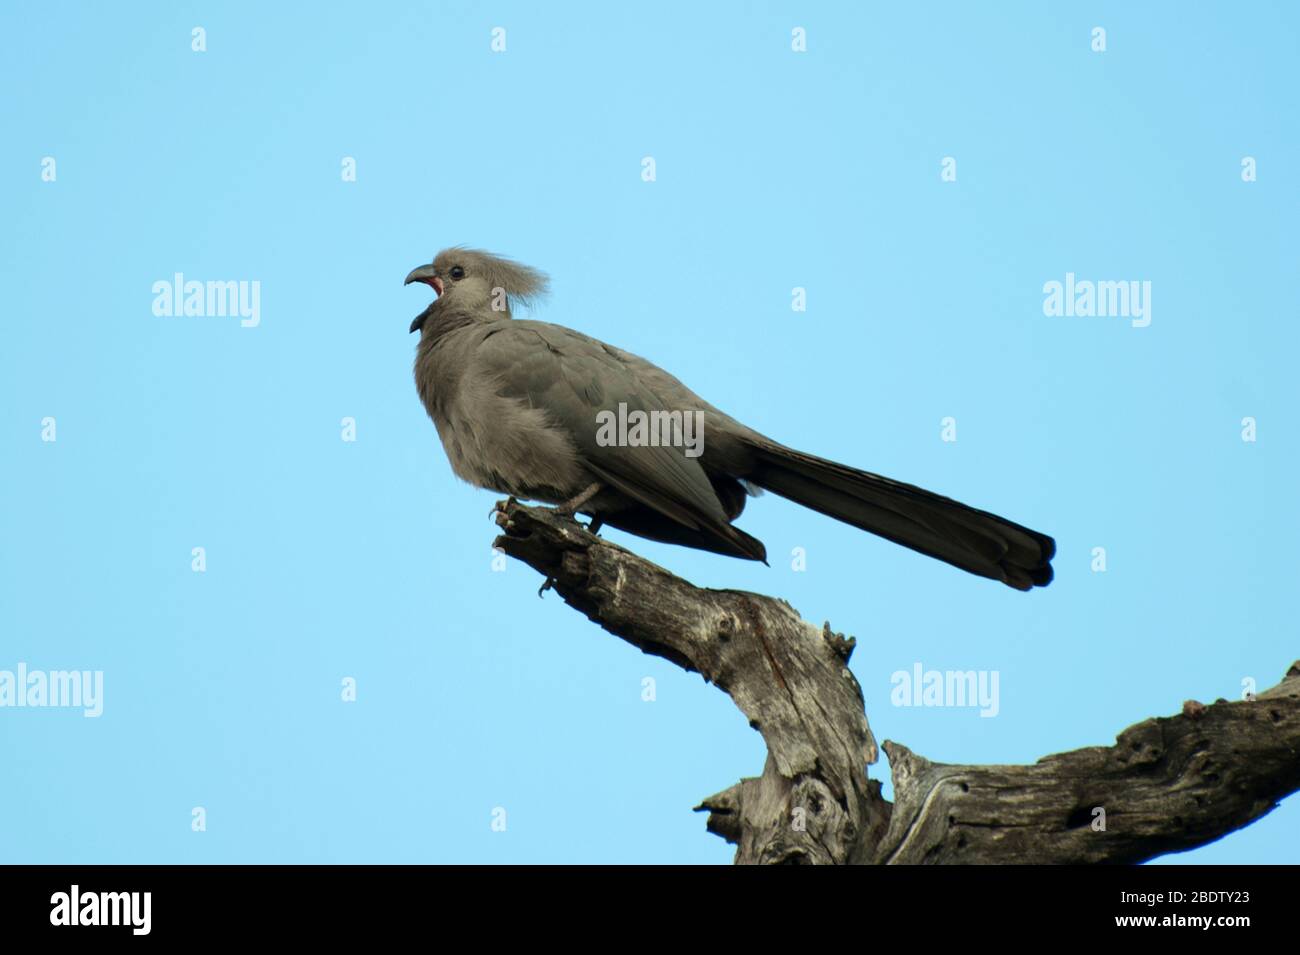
328,559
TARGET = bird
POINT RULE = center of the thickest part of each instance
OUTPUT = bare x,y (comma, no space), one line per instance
541,412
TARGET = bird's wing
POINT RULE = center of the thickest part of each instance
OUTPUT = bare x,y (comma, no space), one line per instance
573,378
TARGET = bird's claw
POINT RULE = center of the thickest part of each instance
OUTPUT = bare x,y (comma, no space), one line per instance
546,585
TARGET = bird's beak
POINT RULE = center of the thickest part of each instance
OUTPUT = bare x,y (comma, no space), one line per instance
425,274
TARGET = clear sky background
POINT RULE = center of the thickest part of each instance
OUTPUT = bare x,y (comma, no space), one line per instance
329,559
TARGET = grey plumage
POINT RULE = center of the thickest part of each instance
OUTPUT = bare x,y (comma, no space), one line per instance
515,403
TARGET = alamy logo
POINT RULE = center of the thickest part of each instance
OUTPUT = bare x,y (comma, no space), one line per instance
200,299
957,688
651,429
1086,298
102,908
59,688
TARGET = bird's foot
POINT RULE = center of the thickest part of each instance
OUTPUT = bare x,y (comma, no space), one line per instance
501,506
573,504
548,584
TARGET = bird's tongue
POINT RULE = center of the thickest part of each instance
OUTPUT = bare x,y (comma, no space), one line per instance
437,286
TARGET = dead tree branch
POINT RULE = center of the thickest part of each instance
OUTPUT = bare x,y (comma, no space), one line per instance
1168,783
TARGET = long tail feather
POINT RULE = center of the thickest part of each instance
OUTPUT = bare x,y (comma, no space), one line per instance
976,541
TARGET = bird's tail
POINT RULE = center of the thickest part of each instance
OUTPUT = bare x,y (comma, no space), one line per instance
973,540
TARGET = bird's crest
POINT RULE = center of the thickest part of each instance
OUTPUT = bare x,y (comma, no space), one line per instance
522,284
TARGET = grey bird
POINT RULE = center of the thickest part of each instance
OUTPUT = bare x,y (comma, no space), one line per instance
519,407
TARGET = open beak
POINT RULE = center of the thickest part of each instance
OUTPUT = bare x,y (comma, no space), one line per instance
425,274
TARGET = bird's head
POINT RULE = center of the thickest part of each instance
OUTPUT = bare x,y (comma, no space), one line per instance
477,282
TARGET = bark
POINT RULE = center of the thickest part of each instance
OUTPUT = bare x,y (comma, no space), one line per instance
1168,783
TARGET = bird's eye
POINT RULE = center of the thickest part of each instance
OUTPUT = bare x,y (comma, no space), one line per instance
457,272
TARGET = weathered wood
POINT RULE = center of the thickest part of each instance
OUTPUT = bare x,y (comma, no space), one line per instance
789,679
1168,784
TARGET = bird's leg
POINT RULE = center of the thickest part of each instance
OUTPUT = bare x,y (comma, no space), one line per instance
568,509
595,525
571,506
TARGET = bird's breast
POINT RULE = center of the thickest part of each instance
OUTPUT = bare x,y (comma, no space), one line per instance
494,441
